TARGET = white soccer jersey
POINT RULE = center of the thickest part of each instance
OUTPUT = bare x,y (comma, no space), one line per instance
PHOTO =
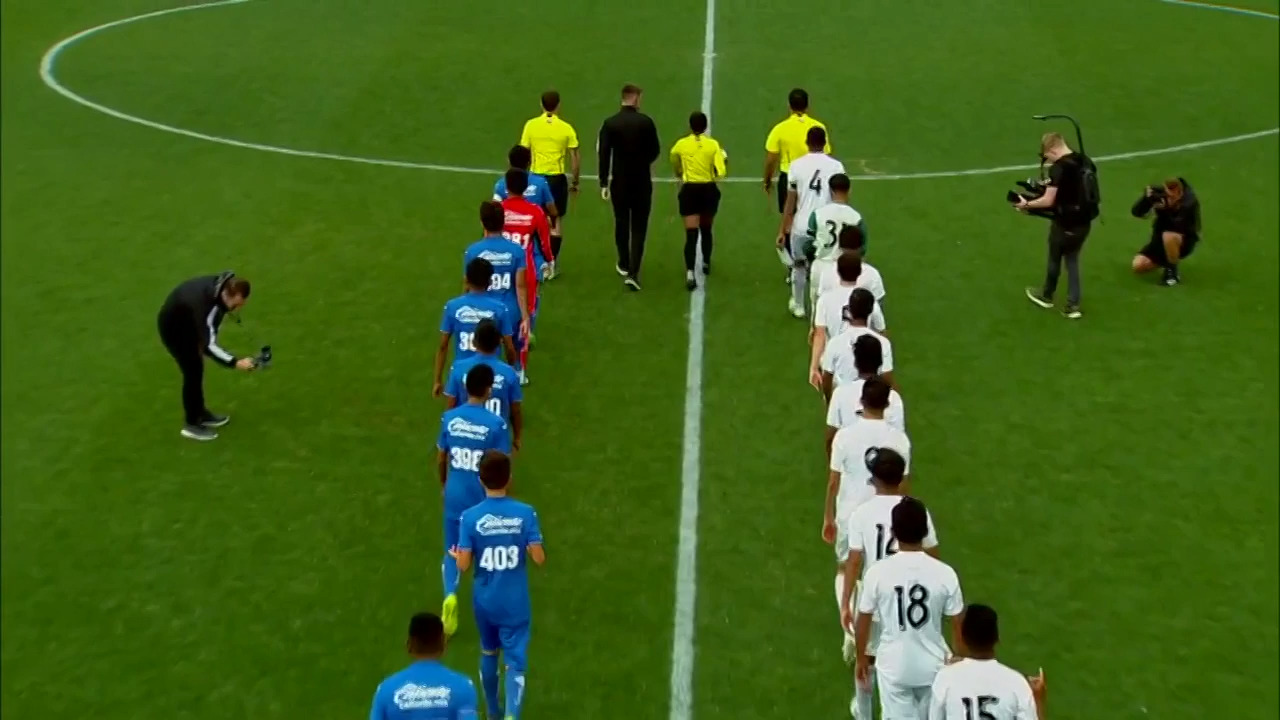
846,406
986,689
849,458
870,279
837,357
870,530
828,312
825,225
908,594
808,176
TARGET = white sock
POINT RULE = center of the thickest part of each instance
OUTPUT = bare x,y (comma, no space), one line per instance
799,284
862,698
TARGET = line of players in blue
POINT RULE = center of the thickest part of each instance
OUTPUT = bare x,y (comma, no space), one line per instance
484,530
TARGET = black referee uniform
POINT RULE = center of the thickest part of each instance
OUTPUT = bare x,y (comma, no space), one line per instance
188,323
627,149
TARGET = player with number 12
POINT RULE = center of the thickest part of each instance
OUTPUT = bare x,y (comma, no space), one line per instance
467,432
503,535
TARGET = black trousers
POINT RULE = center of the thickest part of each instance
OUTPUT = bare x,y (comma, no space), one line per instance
1065,244
182,341
631,205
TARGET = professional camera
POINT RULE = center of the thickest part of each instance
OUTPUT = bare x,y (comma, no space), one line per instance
1032,189
1157,193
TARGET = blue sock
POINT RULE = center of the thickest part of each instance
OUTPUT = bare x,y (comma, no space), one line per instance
489,681
449,571
515,692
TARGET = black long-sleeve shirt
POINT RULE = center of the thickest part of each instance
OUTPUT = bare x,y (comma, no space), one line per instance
196,307
1183,219
628,146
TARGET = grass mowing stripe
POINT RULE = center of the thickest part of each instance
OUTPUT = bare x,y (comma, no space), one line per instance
682,652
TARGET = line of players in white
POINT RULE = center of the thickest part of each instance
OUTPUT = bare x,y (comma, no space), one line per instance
892,590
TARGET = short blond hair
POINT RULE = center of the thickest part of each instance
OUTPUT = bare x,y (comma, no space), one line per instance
1051,140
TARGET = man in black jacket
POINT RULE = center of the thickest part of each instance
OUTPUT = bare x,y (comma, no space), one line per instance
1071,218
189,321
628,146
1175,230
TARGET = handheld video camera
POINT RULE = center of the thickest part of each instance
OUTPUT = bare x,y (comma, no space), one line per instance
1032,189
1157,193
262,360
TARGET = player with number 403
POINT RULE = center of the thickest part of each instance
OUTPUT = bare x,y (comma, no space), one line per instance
467,432
502,535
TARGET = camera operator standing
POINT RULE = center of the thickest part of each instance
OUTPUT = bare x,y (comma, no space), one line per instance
1175,230
188,322
1071,215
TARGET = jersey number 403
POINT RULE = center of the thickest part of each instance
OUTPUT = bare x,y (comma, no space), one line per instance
502,557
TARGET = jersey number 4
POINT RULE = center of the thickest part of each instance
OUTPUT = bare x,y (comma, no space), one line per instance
815,182
976,708
913,608
503,557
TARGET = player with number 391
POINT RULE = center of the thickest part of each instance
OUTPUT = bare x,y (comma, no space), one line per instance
463,314
466,433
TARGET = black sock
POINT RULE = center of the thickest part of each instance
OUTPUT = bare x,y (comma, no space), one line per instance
707,243
690,247
556,241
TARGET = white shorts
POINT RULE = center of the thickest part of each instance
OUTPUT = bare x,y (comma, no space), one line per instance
902,703
842,542
816,269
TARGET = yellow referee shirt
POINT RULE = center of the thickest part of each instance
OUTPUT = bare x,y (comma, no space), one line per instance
698,159
550,139
787,139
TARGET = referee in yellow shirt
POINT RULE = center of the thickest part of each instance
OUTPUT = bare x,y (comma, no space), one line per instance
552,141
786,142
699,162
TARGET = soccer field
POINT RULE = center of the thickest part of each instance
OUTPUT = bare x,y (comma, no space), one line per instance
1109,485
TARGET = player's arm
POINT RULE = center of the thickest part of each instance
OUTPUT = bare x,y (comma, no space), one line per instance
517,422
833,426
537,554
772,155
829,506
815,356
861,631
543,229
676,167
852,571
522,299
441,352
462,551
442,465
721,162
575,160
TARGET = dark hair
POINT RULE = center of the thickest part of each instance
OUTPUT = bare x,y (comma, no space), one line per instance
861,304
868,354
236,287
479,273
798,100
426,633
550,100
849,266
479,380
980,628
492,216
886,465
910,521
520,157
487,336
875,394
816,138
495,469
850,238
630,91
839,183
517,182
698,122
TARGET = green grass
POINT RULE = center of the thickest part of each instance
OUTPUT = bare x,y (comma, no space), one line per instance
1109,485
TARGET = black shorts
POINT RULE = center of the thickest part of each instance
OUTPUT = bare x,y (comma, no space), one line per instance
1154,249
782,192
699,199
559,185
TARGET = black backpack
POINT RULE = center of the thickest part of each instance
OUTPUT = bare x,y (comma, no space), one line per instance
1090,192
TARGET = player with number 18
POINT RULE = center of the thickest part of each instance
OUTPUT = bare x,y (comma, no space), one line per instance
467,432
502,535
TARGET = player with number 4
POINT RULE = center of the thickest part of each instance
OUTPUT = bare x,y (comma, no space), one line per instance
906,594
467,432
503,535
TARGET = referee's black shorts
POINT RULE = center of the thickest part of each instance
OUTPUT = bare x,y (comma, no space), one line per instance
559,185
782,192
701,199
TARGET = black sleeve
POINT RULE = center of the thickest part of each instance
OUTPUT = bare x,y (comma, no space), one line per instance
604,154
1057,172
654,148
1142,207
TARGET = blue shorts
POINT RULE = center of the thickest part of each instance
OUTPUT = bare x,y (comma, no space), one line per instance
511,640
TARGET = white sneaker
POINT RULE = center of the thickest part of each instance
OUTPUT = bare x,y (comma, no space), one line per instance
796,309
524,379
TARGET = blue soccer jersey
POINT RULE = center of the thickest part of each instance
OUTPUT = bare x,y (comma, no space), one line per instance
538,192
508,260
498,532
426,690
466,432
506,384
462,314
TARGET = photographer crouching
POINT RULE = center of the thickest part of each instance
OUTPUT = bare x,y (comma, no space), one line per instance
1174,231
1069,198
189,322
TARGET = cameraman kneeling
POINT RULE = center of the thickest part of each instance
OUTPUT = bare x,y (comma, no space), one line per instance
1175,230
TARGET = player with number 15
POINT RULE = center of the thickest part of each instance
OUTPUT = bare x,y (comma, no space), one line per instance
503,535
466,433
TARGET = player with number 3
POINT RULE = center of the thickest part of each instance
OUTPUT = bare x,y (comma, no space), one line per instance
503,535
466,433
463,314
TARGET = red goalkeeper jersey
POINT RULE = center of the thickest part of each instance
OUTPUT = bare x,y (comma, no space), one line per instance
527,224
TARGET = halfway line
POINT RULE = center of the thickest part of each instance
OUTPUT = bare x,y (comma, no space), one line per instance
682,649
